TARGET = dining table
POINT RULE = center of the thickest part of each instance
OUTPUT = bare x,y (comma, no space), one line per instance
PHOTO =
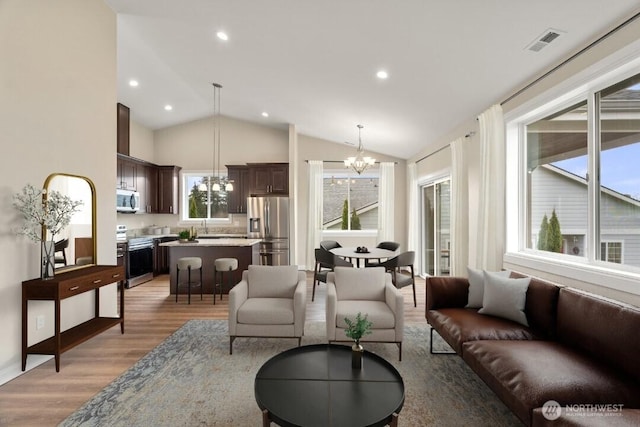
351,253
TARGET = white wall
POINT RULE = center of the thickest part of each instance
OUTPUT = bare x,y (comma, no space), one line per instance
141,144
190,145
58,114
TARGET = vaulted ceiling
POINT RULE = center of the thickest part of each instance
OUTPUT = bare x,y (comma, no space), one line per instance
314,63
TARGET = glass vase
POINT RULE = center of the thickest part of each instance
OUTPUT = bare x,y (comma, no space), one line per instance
47,261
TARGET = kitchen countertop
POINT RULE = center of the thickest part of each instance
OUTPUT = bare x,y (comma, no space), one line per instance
214,242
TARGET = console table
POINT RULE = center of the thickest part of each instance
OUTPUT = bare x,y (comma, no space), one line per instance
66,285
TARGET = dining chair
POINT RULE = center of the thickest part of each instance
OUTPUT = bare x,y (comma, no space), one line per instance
399,278
325,263
329,244
375,262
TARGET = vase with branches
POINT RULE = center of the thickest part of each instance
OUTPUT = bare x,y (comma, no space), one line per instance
45,215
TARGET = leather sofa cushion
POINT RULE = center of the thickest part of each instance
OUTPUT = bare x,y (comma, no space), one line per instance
526,374
624,418
459,325
601,328
446,292
540,306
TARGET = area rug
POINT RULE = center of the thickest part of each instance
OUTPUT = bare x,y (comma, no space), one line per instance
191,380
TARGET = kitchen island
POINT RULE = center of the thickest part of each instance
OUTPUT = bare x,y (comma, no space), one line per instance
244,250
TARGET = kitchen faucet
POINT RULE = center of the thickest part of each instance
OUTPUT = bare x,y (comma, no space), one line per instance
204,224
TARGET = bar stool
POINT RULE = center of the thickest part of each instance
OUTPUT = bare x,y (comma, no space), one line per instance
189,264
223,265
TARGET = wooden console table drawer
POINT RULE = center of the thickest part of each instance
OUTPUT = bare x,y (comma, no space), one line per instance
65,285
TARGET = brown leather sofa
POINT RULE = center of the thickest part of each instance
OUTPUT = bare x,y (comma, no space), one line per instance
579,349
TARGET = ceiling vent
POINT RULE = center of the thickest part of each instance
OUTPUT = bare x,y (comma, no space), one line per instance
544,40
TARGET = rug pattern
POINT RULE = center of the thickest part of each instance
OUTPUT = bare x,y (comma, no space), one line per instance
191,380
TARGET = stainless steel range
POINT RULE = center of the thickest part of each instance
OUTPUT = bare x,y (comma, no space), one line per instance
137,257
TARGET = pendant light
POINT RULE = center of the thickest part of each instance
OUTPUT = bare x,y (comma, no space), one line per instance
359,162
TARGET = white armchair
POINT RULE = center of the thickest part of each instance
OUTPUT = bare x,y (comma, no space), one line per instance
368,291
269,301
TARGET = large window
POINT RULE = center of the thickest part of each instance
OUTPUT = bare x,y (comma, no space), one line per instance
199,201
583,180
350,201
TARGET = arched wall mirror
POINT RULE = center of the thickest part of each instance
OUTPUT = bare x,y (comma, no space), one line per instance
76,244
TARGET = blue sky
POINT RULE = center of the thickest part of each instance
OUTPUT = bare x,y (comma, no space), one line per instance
620,168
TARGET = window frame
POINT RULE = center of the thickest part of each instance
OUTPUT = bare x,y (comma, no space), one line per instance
184,200
588,269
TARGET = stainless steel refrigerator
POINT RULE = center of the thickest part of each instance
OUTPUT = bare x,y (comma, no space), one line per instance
268,219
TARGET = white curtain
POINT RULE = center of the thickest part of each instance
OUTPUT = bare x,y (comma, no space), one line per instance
386,202
314,231
491,224
413,218
459,234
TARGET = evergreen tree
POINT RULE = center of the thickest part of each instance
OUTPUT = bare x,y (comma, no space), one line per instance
197,203
345,215
542,235
554,236
355,220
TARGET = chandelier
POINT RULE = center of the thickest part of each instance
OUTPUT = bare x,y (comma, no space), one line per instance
360,162
215,182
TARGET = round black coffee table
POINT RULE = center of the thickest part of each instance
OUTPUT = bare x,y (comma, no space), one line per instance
314,385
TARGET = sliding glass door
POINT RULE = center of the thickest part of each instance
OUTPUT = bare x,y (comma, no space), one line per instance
436,219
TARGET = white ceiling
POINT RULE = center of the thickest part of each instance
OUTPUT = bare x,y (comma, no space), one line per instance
313,63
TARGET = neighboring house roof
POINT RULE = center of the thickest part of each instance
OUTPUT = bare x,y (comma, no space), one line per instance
622,197
360,211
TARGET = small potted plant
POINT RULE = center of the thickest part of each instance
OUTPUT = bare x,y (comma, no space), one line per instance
184,236
356,329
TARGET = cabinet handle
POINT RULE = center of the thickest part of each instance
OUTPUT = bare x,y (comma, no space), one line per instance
74,288
95,282
116,275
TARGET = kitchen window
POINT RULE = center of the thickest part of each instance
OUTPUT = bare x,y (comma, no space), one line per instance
199,201
350,201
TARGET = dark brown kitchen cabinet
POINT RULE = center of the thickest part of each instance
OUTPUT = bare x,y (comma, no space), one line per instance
122,121
161,255
268,178
147,186
126,174
239,174
168,189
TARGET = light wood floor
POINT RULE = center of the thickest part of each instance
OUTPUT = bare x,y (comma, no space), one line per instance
42,397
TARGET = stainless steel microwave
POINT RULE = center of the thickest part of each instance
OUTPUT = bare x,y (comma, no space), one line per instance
127,201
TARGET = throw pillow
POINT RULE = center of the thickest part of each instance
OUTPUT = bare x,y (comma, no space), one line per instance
504,297
476,286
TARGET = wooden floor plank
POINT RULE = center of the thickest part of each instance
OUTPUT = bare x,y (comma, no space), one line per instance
42,397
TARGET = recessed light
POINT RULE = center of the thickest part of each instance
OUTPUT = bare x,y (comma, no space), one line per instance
168,107
265,114
222,35
133,83
382,74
